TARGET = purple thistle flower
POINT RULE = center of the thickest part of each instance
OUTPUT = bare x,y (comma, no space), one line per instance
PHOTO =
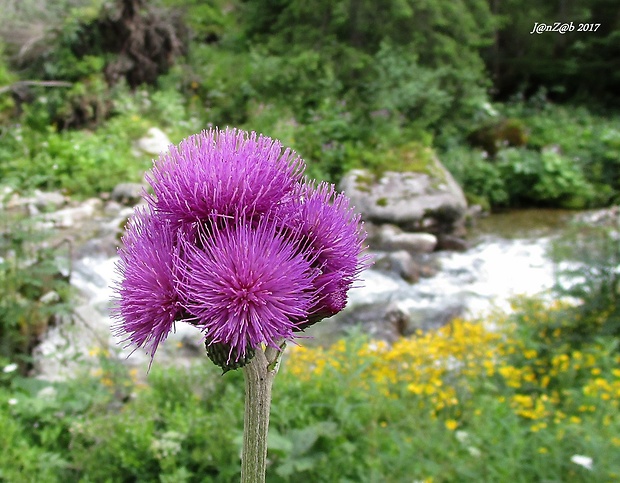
223,173
148,302
238,244
247,285
336,237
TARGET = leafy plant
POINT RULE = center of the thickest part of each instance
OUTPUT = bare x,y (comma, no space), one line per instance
470,403
481,179
35,290
543,178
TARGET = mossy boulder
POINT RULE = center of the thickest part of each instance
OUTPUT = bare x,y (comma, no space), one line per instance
428,201
499,134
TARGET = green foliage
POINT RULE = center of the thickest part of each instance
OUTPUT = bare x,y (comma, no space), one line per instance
6,78
520,401
590,141
35,292
301,80
81,163
404,88
345,84
520,177
219,83
567,157
587,261
572,65
435,28
419,62
481,180
209,20
543,178
329,141
33,30
496,134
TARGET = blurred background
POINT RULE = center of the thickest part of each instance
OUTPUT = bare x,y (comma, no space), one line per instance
346,84
487,352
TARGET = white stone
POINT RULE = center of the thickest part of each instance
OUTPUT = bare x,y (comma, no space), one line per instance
43,200
155,142
68,217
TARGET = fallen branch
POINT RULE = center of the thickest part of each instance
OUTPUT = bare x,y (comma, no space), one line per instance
28,83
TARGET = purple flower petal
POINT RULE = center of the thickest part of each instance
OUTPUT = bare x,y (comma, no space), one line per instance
336,235
236,242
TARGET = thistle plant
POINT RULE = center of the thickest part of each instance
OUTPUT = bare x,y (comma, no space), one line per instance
235,241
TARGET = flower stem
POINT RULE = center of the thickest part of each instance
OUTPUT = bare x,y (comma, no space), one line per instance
259,375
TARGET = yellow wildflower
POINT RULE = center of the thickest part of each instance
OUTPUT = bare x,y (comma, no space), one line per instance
451,424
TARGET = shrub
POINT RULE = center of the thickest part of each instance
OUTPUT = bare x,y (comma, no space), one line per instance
223,97
587,140
587,261
546,178
480,179
81,163
469,402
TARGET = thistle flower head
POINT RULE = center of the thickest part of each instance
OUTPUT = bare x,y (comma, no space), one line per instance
247,285
148,303
222,173
238,244
335,234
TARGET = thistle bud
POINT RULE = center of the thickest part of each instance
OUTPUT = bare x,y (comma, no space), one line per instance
222,355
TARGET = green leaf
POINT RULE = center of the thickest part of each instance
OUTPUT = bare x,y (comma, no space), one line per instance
278,443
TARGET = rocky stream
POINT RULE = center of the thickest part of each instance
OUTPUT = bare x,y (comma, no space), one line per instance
506,255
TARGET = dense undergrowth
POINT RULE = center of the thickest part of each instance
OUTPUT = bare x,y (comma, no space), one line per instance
528,396
341,87
465,403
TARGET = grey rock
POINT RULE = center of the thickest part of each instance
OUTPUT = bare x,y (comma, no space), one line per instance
427,318
400,262
127,193
376,286
112,208
413,201
476,211
604,217
14,203
50,298
47,201
68,217
392,238
454,243
388,320
382,322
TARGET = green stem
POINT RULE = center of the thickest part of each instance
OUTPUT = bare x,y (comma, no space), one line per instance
259,375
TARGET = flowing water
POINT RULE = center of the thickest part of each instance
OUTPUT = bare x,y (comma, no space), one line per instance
507,257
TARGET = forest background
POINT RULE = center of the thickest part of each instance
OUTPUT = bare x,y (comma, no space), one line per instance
520,118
